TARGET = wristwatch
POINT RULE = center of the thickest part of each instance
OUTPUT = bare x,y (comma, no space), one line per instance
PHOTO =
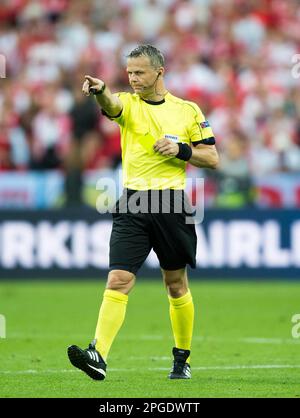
97,92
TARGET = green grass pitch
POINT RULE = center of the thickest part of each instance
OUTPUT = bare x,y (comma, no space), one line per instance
242,346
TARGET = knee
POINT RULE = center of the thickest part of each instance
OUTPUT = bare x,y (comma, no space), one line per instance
120,280
176,289
176,284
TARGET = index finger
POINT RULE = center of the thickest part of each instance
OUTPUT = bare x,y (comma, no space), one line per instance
89,78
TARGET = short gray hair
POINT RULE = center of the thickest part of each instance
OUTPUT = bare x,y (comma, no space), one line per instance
155,56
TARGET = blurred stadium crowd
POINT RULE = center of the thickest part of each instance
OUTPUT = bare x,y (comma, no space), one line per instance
233,58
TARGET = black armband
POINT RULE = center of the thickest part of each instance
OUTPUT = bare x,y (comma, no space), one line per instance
185,152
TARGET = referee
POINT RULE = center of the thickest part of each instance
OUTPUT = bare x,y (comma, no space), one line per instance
159,134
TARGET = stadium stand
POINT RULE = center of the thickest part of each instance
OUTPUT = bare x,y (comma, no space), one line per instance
233,58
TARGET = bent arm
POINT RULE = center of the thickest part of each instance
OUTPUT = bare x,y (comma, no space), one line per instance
204,156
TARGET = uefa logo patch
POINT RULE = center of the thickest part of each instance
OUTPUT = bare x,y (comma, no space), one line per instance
204,124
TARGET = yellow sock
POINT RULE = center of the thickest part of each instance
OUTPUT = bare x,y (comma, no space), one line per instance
111,317
182,320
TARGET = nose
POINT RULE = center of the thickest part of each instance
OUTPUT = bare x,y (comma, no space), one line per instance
133,78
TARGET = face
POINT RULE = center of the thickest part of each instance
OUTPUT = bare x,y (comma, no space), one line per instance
141,74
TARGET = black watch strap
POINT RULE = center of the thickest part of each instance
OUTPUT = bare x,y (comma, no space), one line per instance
185,152
97,92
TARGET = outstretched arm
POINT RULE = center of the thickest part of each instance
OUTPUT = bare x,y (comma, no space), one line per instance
109,102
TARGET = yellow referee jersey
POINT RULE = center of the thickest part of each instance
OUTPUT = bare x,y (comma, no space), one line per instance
142,123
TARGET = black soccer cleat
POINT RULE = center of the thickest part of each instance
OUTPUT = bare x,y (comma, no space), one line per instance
181,369
88,360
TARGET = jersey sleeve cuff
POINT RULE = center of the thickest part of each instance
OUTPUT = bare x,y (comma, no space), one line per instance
206,141
109,116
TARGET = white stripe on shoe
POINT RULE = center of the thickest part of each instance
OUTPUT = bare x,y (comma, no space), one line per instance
101,371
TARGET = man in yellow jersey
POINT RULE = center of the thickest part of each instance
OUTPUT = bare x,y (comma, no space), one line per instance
159,134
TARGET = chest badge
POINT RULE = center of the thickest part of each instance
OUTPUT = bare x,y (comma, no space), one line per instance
174,138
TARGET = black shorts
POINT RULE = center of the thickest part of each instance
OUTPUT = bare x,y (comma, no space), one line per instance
160,225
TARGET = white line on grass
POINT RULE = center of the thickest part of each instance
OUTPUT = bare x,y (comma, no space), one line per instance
254,340
257,366
234,367
249,340
168,358
246,340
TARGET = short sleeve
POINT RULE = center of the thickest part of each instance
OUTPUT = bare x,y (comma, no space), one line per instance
199,129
